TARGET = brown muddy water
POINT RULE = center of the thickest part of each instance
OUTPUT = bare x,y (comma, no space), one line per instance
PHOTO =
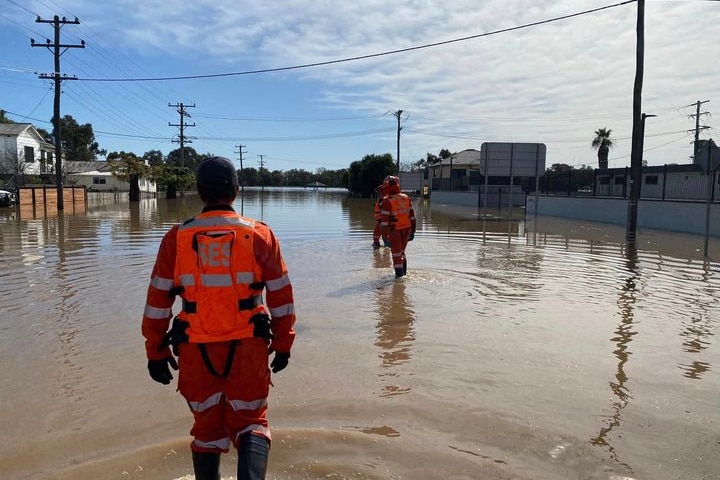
530,349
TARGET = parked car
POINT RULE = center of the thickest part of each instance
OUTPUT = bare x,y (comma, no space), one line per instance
6,198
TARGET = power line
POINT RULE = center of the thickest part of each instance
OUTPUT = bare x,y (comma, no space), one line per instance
361,57
23,7
284,119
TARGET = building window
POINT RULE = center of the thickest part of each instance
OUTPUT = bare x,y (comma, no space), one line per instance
98,181
604,180
619,180
651,180
29,155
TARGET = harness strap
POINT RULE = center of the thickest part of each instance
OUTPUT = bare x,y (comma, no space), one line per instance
228,360
189,307
243,304
250,302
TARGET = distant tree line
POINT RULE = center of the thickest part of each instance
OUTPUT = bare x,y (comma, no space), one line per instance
175,171
564,179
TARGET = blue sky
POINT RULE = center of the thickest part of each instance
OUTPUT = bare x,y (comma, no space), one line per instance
554,83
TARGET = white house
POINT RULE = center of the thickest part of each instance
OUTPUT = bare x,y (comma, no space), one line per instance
24,150
96,176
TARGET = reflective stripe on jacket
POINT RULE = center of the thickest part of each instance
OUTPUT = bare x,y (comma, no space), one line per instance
377,209
220,278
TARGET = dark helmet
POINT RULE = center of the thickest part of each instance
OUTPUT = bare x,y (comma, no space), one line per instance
216,179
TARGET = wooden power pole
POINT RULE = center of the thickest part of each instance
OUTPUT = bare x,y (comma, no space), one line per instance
57,49
637,130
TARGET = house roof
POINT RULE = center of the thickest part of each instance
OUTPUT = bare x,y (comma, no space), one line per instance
13,129
670,168
73,167
93,173
464,157
16,129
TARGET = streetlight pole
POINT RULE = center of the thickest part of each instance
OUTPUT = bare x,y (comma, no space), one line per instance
636,150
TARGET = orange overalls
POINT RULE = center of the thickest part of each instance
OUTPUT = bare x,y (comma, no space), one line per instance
219,263
398,223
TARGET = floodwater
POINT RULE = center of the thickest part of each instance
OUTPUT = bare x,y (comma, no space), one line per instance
529,349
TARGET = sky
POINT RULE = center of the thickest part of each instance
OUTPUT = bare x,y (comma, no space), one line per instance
459,79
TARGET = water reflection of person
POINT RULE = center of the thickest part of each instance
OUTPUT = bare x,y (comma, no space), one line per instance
696,333
624,334
395,333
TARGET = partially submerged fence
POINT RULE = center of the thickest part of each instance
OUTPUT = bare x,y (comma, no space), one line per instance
48,195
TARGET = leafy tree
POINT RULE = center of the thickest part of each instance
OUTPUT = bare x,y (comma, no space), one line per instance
186,157
47,136
171,178
331,178
565,179
298,178
3,118
153,157
78,141
128,167
180,174
425,162
445,153
365,175
602,143
12,162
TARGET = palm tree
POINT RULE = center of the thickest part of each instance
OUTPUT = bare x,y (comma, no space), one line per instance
602,143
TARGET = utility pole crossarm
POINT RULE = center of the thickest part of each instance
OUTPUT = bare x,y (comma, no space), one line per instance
397,115
182,140
697,116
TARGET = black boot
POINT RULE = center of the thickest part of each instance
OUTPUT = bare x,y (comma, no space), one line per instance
206,465
252,457
405,267
399,272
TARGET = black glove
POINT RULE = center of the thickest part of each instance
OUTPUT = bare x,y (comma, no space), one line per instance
175,336
279,361
261,326
159,370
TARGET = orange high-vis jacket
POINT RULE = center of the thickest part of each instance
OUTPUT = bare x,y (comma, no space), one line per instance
397,213
221,286
261,257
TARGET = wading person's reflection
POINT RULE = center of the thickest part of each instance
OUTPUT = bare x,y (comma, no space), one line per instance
624,334
395,335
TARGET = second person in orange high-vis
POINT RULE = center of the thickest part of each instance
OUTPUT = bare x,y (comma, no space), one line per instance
397,222
220,263
377,231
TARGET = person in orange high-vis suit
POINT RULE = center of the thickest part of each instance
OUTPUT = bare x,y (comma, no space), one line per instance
397,222
220,264
377,230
